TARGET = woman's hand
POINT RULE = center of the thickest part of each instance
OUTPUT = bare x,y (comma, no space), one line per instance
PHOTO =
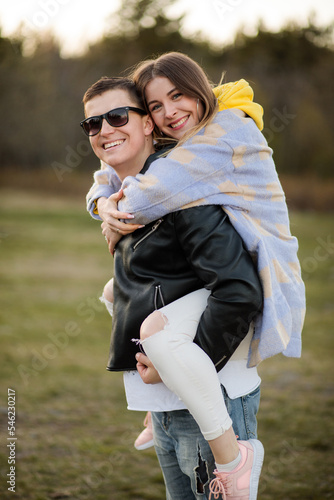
108,211
146,370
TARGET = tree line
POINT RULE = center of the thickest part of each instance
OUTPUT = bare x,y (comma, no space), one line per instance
291,73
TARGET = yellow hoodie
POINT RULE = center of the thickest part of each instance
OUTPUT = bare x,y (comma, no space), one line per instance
239,95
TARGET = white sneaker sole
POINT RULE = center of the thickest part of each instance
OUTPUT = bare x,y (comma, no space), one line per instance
256,468
145,446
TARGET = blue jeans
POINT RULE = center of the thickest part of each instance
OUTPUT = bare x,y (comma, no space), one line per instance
185,457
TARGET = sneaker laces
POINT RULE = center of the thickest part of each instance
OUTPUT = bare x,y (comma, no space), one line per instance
219,486
138,343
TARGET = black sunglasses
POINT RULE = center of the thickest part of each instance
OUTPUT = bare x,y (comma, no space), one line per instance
116,118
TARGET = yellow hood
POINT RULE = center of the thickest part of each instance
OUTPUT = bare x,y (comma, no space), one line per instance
239,95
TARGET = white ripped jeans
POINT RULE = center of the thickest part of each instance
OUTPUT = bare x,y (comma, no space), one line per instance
185,368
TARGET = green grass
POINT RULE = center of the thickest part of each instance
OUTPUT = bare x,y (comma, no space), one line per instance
74,434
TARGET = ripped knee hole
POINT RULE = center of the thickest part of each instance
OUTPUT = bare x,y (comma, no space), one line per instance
154,323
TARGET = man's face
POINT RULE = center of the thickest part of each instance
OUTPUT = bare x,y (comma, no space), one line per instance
124,148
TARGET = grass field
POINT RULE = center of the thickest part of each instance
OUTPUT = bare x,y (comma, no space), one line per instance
74,434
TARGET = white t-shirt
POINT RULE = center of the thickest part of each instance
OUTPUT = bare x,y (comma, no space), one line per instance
237,379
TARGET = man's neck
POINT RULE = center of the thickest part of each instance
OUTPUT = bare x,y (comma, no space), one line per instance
132,169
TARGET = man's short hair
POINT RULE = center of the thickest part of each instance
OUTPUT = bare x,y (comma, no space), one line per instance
112,83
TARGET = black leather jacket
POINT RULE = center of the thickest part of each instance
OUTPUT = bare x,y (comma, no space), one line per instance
186,250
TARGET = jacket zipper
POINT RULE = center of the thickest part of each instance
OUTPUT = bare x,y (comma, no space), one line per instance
153,228
157,294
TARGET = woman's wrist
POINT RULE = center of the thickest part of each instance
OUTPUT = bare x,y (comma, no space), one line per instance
100,202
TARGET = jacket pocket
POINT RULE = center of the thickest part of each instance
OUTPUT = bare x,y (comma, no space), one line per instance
146,235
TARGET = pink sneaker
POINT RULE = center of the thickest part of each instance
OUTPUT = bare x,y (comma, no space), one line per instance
145,438
242,482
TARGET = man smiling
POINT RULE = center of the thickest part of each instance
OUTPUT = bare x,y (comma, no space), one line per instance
125,147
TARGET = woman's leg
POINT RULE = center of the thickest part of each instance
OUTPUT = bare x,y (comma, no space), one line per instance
108,296
108,291
167,338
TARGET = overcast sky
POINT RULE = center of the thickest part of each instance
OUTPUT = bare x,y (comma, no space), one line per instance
77,22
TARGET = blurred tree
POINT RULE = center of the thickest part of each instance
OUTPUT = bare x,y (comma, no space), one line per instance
134,16
140,29
11,61
291,72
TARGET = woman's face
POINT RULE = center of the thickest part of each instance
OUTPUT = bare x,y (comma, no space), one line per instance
173,112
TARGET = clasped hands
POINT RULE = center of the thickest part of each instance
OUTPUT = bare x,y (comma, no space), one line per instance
112,227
